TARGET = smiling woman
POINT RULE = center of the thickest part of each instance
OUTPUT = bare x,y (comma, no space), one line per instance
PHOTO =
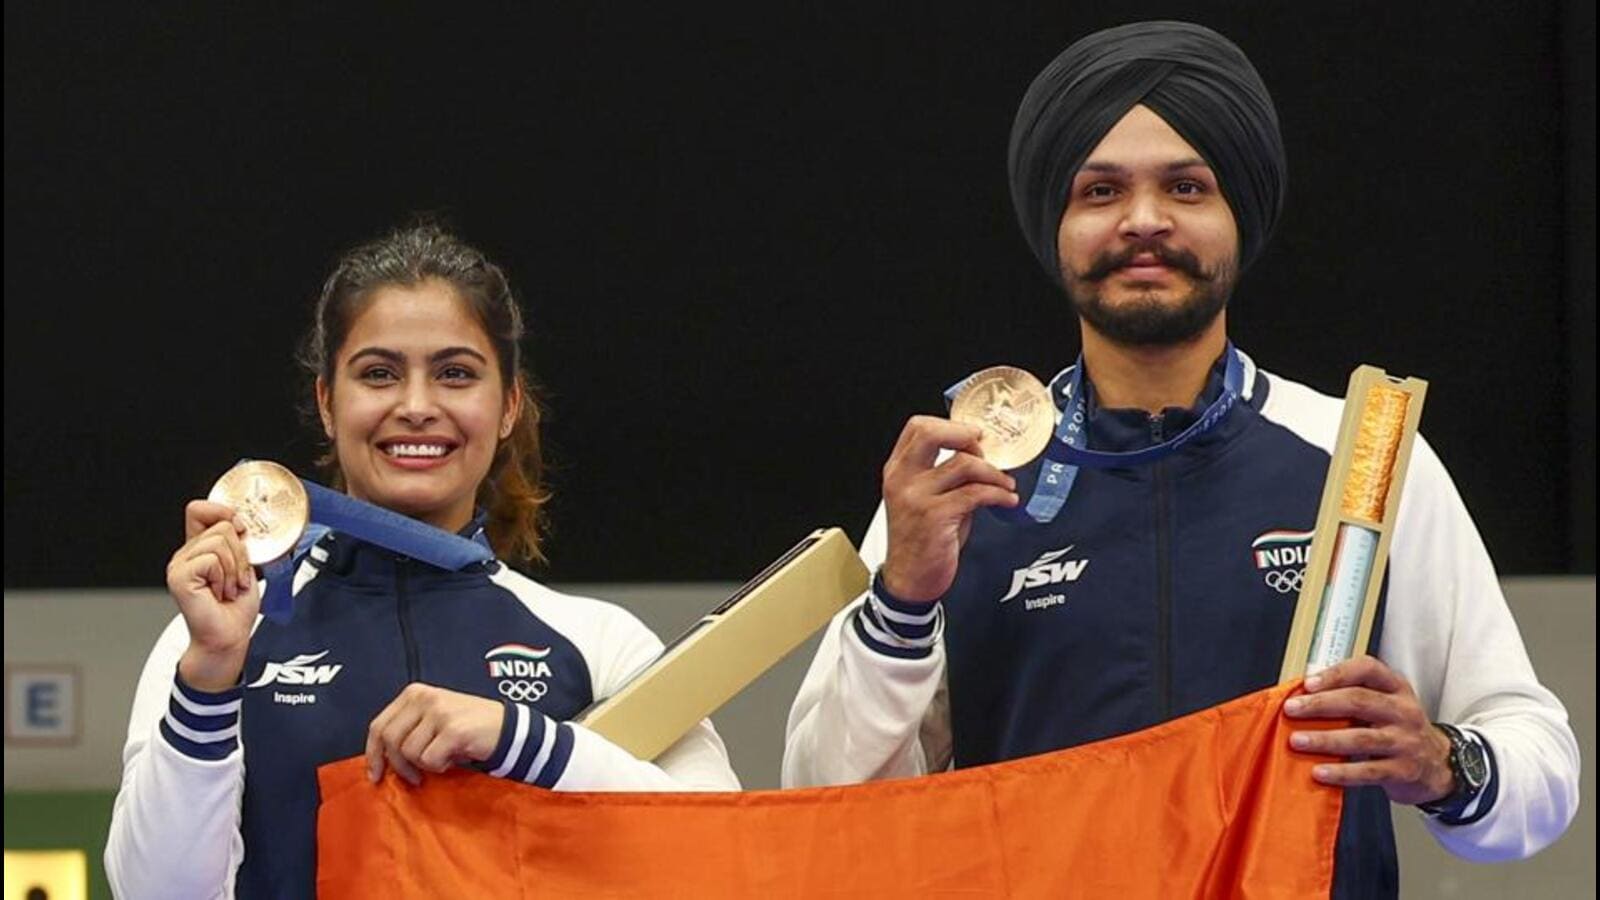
416,357
419,389
414,427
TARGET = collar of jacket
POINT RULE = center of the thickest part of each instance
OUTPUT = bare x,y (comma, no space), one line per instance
1124,430
342,554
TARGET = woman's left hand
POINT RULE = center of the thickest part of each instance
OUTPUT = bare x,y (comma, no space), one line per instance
430,729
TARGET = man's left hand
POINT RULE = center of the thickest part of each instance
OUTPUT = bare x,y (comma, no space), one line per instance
1400,749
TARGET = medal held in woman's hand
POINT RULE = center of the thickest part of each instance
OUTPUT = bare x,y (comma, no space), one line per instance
271,501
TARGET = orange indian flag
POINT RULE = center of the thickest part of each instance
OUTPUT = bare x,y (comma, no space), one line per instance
1214,804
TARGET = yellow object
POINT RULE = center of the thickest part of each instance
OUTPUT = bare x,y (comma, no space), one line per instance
47,874
1378,435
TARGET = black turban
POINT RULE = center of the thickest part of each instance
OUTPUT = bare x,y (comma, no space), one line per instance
1193,78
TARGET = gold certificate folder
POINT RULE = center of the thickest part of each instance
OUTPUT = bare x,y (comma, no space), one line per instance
732,645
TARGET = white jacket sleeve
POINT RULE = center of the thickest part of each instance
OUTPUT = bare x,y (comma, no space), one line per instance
1448,630
175,823
567,757
871,705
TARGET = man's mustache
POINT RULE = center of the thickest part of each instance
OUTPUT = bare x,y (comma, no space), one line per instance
1180,260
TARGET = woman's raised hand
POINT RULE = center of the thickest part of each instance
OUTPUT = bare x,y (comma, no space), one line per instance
217,593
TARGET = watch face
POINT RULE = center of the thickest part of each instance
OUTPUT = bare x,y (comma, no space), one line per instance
1474,765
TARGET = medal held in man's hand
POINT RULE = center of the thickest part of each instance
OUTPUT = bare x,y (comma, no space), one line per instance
1014,410
272,502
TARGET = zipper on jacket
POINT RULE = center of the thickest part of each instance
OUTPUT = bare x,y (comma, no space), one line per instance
1163,577
413,667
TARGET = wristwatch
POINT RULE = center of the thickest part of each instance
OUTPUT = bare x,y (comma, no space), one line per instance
1470,766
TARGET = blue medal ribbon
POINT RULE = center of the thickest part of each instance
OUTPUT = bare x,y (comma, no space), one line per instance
333,511
1068,448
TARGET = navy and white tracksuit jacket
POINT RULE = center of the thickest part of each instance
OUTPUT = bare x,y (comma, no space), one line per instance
219,791
1168,588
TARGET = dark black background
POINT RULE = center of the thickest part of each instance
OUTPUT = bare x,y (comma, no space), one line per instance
749,246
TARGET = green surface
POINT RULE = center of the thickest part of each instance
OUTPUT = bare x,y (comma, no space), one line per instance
62,820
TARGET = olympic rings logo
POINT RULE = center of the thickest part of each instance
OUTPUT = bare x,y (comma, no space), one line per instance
1286,580
523,691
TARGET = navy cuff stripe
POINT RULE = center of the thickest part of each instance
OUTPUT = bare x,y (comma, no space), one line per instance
508,731
212,751
201,723
556,766
911,632
205,697
886,649
894,603
530,747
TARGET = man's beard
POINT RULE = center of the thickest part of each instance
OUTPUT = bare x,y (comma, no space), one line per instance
1144,320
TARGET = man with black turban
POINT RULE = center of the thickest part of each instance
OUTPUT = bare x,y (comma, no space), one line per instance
1022,611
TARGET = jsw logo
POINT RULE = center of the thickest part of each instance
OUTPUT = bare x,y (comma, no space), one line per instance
1045,570
298,670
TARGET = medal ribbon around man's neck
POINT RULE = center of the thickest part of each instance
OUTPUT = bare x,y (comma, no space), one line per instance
1068,449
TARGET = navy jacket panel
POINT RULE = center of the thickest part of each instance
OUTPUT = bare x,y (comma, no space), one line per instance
365,625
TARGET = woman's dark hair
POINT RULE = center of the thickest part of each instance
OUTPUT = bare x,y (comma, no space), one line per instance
514,492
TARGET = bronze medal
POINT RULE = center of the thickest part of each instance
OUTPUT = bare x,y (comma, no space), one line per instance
272,502
1014,410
